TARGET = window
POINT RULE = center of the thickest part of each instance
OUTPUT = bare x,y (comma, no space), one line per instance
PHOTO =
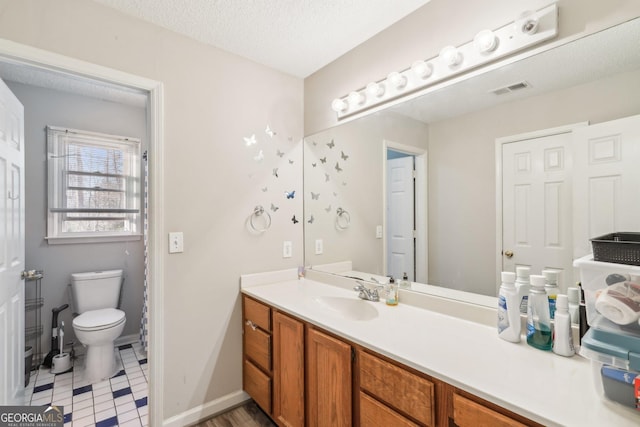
94,186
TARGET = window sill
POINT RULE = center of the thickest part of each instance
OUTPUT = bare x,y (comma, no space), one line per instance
92,239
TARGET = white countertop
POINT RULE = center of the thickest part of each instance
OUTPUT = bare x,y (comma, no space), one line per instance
542,386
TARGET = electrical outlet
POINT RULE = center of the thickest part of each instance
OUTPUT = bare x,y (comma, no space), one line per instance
378,232
319,247
176,242
287,249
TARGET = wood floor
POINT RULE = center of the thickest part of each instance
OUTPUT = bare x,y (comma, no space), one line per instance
247,415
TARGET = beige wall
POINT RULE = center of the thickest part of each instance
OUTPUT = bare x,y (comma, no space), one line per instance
212,100
422,34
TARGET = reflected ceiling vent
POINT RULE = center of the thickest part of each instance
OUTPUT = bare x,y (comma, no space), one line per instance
511,88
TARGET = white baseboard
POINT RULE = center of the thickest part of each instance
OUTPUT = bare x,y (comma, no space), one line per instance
207,410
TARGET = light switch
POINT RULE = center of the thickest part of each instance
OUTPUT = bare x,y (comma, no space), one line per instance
378,232
319,247
287,249
176,242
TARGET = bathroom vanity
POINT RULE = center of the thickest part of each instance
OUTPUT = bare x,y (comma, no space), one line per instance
315,354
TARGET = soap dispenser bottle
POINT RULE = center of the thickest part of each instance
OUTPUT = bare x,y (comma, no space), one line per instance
392,294
404,283
562,336
523,286
509,326
538,317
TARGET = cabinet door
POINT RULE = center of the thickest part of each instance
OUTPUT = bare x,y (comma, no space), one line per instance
329,380
467,413
375,414
288,370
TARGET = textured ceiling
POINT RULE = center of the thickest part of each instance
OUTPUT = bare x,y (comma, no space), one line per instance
297,37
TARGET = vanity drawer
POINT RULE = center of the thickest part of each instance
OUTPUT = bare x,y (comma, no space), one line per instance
374,414
467,413
257,346
258,313
398,388
258,385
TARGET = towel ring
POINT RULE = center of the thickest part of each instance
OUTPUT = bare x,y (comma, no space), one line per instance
343,219
259,211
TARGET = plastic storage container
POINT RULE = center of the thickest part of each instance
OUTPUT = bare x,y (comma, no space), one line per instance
596,277
615,359
621,248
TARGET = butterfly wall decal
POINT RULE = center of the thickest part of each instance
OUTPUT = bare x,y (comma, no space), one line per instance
279,153
259,157
323,160
328,208
314,143
294,220
274,207
326,177
331,144
275,172
335,194
311,219
251,140
344,156
314,164
290,161
314,196
269,132
290,194
338,168
264,189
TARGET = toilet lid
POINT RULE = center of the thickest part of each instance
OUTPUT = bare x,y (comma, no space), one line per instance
99,318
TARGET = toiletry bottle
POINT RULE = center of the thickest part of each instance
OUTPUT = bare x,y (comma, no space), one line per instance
562,336
509,326
551,288
538,318
392,295
404,283
523,286
573,295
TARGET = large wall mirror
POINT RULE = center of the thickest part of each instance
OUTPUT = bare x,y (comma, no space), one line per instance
368,215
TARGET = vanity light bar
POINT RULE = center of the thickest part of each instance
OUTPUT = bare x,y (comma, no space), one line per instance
529,29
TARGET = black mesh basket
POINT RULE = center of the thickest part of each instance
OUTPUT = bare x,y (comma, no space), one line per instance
619,248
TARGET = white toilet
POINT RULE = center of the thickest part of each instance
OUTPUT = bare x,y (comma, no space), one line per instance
99,323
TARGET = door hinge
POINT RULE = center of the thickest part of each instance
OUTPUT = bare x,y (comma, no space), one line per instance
415,234
414,174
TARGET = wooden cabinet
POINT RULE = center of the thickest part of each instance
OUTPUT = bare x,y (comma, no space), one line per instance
288,370
256,341
329,380
303,376
406,395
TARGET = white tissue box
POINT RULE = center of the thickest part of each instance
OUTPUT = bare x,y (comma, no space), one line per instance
594,276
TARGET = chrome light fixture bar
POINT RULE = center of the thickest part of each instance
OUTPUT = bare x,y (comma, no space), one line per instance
530,28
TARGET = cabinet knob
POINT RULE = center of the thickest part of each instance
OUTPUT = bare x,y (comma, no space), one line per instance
250,323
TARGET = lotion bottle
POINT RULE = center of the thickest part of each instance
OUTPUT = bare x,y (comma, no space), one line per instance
509,326
523,286
538,318
562,336
573,295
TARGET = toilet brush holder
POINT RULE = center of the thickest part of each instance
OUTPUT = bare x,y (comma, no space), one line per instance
61,363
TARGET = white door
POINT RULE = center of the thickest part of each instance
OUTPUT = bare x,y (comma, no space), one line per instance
12,210
400,218
536,205
606,180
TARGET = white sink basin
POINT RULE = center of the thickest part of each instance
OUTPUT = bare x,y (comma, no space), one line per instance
349,308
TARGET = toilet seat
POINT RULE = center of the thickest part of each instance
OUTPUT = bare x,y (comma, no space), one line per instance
96,320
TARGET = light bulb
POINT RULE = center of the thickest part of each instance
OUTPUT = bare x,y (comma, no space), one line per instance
397,80
451,56
339,105
422,69
375,89
356,98
485,41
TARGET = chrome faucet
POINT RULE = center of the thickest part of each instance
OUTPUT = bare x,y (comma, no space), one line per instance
366,293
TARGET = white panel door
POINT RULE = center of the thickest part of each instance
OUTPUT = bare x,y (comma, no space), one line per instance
536,205
606,180
12,210
400,218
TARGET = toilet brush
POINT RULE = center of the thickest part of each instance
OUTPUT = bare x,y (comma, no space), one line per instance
61,361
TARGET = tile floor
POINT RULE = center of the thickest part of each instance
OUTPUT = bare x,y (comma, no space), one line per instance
119,401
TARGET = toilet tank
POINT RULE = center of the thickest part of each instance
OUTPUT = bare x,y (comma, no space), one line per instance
96,289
